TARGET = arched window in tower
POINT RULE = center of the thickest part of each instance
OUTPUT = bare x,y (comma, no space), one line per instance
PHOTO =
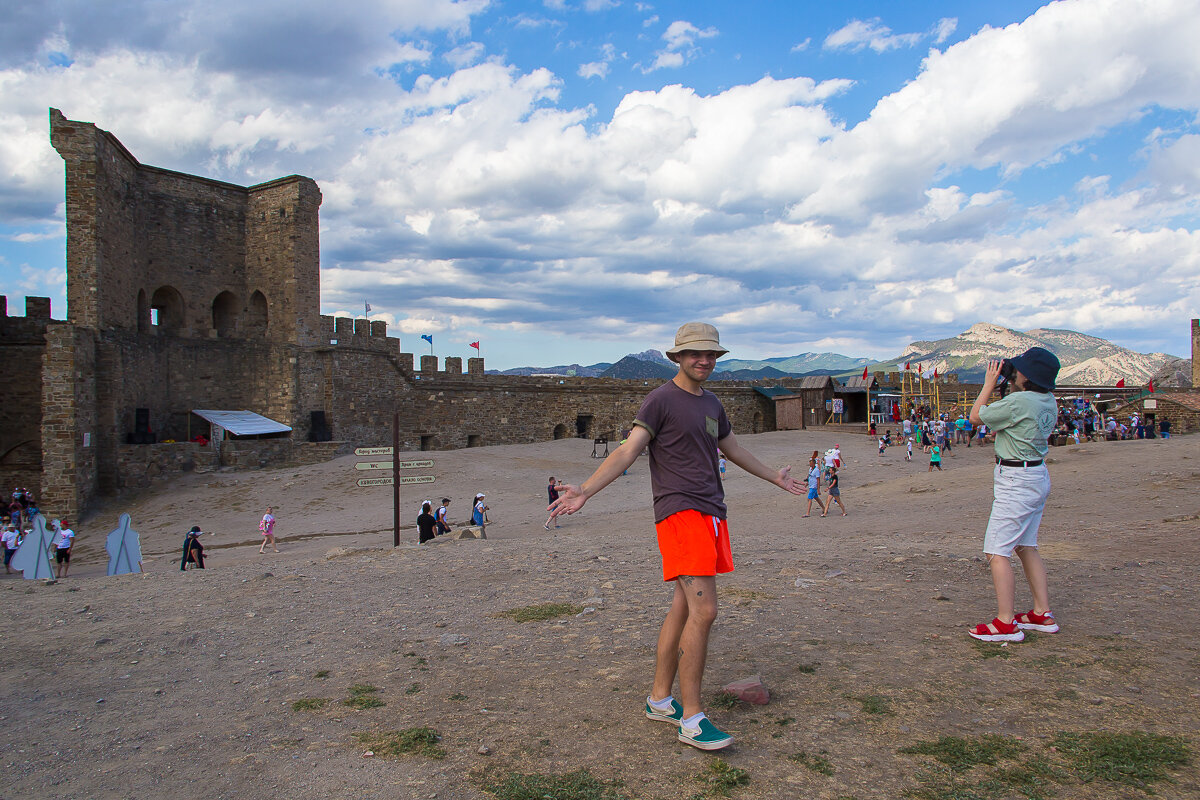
256,315
143,312
225,315
166,310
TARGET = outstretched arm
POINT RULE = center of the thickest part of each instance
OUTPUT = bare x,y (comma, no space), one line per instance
746,460
571,498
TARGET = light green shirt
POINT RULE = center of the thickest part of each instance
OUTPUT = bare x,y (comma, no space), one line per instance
1021,422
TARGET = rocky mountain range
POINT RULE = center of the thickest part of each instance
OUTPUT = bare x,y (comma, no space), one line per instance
1086,360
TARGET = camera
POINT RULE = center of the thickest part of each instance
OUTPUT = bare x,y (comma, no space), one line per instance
1007,370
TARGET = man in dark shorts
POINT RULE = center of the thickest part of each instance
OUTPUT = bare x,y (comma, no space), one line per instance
683,425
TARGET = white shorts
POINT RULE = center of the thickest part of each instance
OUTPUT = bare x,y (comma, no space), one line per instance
1020,497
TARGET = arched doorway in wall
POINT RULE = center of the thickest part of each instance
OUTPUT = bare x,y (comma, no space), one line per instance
756,424
560,431
143,312
256,314
225,315
166,310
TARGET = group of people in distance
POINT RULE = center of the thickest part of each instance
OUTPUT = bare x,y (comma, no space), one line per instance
431,522
15,526
833,463
682,425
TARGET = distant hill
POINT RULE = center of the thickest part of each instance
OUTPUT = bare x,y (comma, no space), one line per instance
592,371
765,373
632,367
1086,360
805,363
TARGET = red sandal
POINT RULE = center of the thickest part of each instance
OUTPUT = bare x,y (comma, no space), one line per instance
1031,621
1005,632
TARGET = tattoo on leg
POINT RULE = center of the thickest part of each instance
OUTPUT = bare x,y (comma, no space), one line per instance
687,579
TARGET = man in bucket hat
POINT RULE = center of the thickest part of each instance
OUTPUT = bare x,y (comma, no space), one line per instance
1022,421
683,425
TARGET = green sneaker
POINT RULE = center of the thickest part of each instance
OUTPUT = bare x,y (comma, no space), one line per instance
674,716
707,736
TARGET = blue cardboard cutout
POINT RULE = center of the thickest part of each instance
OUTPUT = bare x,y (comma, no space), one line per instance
124,549
33,556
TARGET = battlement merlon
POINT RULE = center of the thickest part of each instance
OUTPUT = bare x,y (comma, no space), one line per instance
36,308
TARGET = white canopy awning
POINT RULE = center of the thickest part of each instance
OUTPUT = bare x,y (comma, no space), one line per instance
242,423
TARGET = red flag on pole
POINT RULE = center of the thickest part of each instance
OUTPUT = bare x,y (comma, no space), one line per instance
1121,383
1151,386
919,370
864,373
906,366
935,373
475,345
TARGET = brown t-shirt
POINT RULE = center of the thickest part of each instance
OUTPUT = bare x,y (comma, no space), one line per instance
684,431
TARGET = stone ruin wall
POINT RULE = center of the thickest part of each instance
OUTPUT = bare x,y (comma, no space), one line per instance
22,345
1196,354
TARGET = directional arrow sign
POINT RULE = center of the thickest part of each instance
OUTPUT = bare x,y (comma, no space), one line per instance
375,481
388,481
372,451
388,464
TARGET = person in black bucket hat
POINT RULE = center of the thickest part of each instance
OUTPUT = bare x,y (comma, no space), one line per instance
1022,422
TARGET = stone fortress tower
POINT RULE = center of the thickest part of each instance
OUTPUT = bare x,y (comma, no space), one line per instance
1196,354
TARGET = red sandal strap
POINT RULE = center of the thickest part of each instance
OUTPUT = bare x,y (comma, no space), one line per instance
982,630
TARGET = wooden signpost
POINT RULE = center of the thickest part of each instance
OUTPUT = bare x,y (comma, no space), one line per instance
395,465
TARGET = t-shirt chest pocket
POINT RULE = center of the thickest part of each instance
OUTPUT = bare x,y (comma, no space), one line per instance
710,426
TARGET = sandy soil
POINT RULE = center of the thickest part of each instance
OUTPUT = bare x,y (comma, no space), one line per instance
181,684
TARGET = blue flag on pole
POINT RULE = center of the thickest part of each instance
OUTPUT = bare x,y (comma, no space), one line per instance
427,338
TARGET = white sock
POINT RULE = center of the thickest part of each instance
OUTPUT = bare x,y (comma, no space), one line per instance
693,721
661,705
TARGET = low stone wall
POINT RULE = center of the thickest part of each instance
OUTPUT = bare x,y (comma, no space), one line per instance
139,464
256,453
318,452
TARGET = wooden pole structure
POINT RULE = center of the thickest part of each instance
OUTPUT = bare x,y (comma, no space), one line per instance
396,479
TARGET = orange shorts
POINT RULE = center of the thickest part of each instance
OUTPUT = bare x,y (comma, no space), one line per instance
692,543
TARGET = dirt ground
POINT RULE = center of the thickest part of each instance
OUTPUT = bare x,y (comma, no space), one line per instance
182,684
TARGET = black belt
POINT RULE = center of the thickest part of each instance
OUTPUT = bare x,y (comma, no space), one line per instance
1008,462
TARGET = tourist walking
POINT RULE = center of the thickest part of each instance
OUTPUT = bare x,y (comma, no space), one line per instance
935,458
443,524
1021,422
683,424
814,485
552,493
835,493
267,529
12,540
479,513
193,551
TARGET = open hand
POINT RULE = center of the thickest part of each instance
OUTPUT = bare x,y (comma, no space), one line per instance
570,499
788,483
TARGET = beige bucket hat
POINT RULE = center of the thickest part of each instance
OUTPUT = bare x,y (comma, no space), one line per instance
698,336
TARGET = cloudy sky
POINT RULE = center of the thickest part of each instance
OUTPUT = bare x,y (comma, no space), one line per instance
569,180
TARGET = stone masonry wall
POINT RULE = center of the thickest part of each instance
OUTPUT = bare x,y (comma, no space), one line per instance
1196,354
69,421
22,344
